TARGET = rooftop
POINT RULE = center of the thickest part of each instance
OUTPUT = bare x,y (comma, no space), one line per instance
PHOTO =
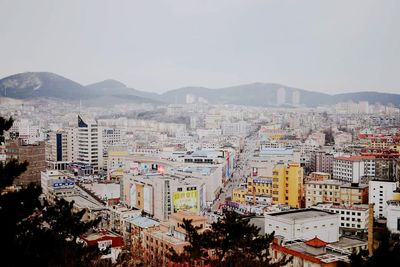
143,222
301,214
352,185
328,182
354,158
180,215
316,242
167,238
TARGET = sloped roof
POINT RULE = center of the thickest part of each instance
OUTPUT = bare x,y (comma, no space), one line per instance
316,242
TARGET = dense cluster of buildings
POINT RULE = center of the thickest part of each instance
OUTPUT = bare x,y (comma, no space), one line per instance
318,177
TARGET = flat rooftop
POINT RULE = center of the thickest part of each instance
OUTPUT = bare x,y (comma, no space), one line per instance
165,237
301,214
348,243
143,222
327,182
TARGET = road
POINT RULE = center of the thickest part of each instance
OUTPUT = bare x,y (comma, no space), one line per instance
240,173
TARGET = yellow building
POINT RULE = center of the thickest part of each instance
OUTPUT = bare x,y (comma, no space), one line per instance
262,185
287,184
239,195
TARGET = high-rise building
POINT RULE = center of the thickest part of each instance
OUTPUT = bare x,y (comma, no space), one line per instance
281,96
88,143
380,192
109,137
57,150
296,98
287,184
34,154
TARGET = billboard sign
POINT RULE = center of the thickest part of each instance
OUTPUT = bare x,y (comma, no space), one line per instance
187,201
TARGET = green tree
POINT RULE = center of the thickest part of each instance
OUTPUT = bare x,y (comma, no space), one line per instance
386,254
233,241
37,233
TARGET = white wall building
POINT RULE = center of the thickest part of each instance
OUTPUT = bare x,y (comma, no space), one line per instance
393,216
380,192
352,168
354,217
88,143
281,96
304,224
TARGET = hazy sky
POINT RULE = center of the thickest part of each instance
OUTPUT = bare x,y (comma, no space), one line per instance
328,46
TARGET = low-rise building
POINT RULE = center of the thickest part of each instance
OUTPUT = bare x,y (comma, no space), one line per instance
56,184
110,244
353,193
350,217
322,192
304,224
312,252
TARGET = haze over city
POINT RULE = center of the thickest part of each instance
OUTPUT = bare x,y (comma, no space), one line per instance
200,133
324,46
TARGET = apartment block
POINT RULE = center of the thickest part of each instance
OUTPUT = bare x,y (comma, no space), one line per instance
352,169
34,154
380,192
287,185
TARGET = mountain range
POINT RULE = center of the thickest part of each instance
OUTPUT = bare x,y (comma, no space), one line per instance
30,85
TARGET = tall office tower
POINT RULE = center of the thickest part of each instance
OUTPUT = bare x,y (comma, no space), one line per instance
296,98
281,96
287,184
72,143
57,150
34,154
88,143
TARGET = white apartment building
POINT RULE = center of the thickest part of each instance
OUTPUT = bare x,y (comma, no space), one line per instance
351,169
88,143
380,192
109,137
304,224
351,217
393,216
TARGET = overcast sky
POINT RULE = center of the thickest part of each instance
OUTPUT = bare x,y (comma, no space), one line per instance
327,46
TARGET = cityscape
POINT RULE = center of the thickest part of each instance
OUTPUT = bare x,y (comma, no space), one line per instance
250,174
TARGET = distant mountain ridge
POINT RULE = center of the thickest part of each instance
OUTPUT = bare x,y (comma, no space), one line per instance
30,85
45,84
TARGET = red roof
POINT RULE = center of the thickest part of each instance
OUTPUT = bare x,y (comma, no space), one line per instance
316,242
295,253
116,241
